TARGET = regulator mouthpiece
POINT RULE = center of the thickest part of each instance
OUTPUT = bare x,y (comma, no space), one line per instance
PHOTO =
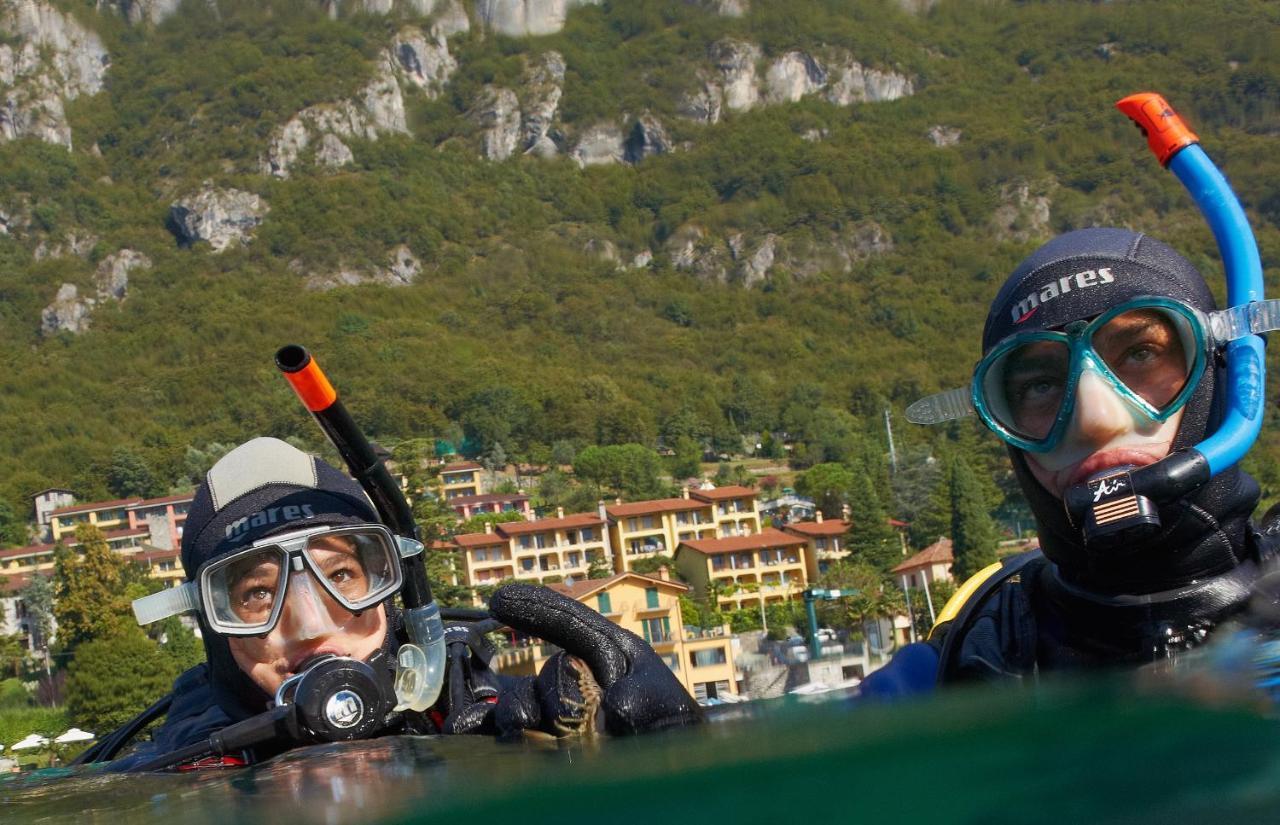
420,663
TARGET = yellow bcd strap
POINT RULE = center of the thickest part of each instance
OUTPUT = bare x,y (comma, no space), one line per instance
963,595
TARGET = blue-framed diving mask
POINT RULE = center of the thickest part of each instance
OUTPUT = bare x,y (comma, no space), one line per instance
1151,351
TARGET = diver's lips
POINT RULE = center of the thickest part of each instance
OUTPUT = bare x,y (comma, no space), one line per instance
296,663
1098,462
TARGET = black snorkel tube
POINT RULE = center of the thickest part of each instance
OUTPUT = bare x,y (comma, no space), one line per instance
1122,506
420,663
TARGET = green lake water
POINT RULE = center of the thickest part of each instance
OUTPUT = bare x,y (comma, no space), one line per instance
1101,752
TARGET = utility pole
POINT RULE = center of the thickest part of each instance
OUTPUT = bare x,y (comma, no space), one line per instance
893,454
911,619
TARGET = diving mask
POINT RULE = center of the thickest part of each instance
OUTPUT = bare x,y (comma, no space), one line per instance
1152,351
244,593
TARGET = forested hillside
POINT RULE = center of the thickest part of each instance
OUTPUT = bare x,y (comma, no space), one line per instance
600,234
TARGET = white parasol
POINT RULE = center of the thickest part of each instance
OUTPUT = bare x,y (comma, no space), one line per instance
75,735
34,740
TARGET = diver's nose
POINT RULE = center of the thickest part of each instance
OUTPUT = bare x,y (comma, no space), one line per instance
1100,414
304,614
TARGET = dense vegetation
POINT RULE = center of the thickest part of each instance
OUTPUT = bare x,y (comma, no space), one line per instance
514,335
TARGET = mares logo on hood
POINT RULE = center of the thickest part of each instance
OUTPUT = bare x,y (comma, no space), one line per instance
1027,307
270,515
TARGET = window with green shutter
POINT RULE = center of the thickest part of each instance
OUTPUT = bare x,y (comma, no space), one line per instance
651,597
603,601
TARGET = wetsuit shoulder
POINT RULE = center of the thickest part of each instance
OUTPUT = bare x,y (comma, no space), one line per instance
988,628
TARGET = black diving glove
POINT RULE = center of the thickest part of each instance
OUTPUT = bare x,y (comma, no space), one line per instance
604,676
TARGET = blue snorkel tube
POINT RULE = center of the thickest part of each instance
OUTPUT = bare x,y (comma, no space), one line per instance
1123,505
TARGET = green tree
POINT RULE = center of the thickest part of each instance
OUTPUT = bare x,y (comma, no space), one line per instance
651,564
687,462
973,533
876,598
129,475
599,568
828,485
13,528
870,537
113,678
629,469
90,587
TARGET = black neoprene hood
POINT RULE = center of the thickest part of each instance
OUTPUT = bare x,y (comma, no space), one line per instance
1078,276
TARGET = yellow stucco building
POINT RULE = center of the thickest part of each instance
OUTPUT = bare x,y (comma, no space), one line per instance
544,550
649,606
826,540
769,566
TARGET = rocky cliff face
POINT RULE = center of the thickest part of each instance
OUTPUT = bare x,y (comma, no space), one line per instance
46,59
732,82
142,11
423,60
750,261
70,313
223,217
375,110
525,18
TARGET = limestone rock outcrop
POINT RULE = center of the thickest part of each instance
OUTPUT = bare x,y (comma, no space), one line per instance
1024,211
543,88
750,262
855,83
142,11
942,136
75,244
451,18
67,313
733,83
525,123
647,137
402,269
46,58
423,61
600,144
70,313
736,62
724,8
793,76
377,109
112,277
497,113
223,217
525,18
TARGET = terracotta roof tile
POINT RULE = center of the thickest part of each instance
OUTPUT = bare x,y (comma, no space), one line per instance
582,588
479,540
937,553
661,505
516,528
830,527
722,493
763,540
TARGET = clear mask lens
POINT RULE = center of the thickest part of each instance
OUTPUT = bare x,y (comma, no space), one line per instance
1147,353
331,574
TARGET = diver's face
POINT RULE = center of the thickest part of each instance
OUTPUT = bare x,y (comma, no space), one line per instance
1104,432
312,622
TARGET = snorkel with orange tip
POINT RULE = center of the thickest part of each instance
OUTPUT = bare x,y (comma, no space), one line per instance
1122,505
420,663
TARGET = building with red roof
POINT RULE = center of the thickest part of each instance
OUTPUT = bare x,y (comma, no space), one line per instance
543,550
768,567
929,565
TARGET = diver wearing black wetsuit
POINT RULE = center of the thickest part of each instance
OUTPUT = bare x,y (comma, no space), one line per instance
1095,359
289,571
